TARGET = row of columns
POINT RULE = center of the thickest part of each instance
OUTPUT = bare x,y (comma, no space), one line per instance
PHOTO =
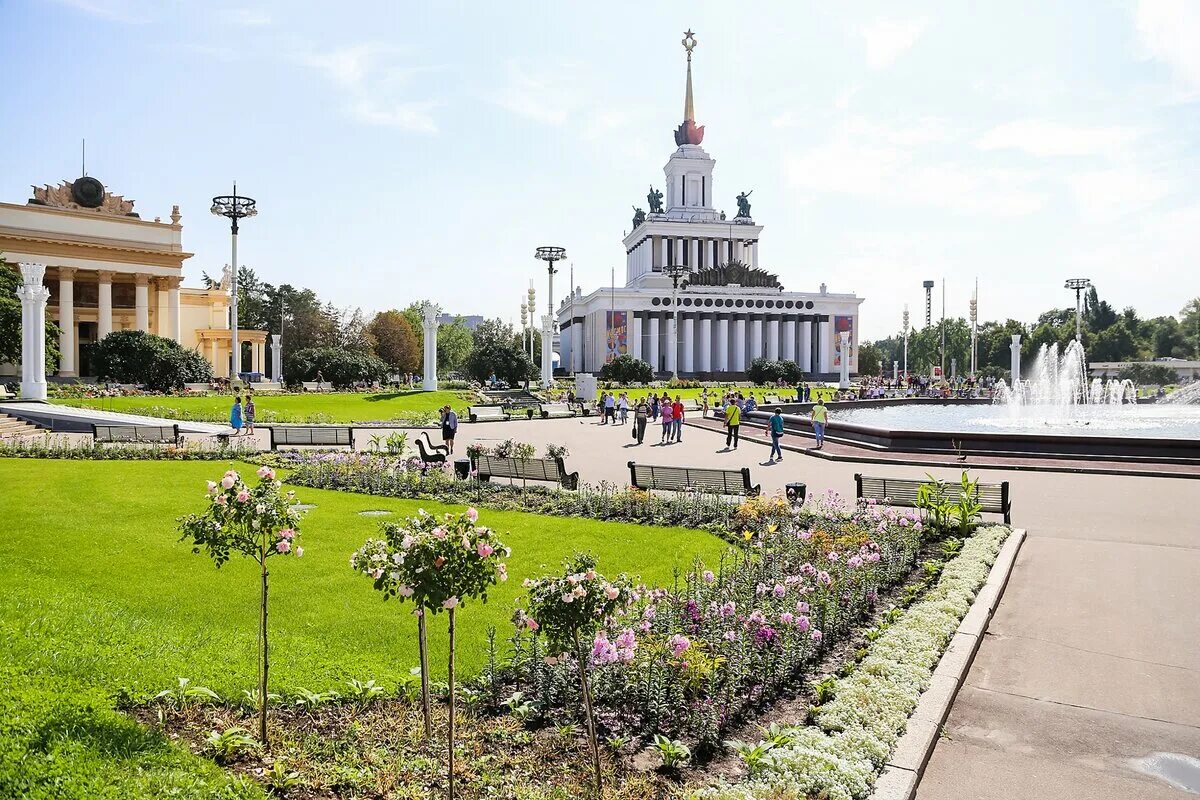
790,337
651,254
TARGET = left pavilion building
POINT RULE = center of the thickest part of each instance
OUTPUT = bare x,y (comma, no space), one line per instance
109,270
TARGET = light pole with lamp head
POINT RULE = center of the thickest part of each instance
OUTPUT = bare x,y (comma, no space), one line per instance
1078,284
677,273
234,207
550,255
906,341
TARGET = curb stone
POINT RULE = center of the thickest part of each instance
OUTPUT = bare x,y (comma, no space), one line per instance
904,768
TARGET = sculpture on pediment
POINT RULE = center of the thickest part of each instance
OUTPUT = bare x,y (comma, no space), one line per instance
639,216
82,194
743,201
736,272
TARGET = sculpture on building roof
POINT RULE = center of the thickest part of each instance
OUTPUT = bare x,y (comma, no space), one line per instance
736,272
639,216
655,199
82,194
743,201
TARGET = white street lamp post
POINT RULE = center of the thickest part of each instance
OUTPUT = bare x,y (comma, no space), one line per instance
234,207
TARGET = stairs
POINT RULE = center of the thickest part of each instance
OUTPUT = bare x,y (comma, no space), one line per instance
12,428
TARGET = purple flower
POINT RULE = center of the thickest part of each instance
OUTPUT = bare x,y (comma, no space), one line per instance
678,644
780,591
815,635
802,623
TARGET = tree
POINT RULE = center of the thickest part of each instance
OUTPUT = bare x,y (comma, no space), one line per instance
453,346
350,331
143,358
1149,374
339,367
1189,321
10,322
626,370
395,341
765,371
496,349
869,356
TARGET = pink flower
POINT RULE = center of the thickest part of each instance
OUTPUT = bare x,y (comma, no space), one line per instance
805,535
283,545
551,660
801,607
779,591
450,602
802,623
266,472
299,552
815,635
590,574
287,533
484,549
212,487
531,623
228,481
678,644
728,609
787,618
502,572
709,577
611,592
404,590
730,636
568,597
833,556
472,515
243,496
220,500
440,533
854,561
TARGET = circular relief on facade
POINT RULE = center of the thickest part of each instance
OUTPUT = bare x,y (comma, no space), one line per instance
687,301
708,301
666,301
809,304
88,192
729,303
738,303
788,304
759,304
654,301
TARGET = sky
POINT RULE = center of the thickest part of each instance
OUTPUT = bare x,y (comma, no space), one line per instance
402,151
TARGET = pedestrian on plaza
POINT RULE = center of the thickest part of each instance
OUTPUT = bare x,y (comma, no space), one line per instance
449,428
666,415
320,380
704,402
750,404
235,416
653,406
249,411
775,430
820,416
733,423
677,418
641,414
610,408
600,408
623,407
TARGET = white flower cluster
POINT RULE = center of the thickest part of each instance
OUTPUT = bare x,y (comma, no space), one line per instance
840,757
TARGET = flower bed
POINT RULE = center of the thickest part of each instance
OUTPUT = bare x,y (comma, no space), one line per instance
94,451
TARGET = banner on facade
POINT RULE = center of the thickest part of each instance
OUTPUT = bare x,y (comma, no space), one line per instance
617,326
841,324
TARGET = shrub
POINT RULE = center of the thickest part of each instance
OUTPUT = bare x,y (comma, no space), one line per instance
766,371
143,358
626,370
338,366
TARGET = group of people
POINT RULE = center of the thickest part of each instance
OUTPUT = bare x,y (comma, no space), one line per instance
735,405
615,410
241,417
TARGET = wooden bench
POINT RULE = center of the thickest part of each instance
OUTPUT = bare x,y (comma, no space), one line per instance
993,497
531,469
486,414
150,434
692,479
556,410
431,453
312,436
315,386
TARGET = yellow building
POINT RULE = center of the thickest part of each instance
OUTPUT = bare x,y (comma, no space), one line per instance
109,270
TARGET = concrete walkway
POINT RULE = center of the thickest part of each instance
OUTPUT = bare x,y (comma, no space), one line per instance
1092,660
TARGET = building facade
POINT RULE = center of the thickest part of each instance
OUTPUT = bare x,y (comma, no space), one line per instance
109,270
695,301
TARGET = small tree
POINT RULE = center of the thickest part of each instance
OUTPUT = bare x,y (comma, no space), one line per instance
766,371
258,522
438,563
568,610
626,370
395,341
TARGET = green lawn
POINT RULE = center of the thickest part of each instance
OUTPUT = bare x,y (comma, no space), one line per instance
307,407
714,393
99,596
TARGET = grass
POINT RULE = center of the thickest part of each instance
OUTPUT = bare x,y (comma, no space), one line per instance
714,394
307,407
102,600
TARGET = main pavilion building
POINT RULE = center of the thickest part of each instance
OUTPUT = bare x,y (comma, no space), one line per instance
729,310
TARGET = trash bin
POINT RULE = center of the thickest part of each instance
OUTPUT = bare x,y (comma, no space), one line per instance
796,493
462,468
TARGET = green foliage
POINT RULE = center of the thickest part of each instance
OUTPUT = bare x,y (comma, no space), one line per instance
225,745
258,522
395,342
626,369
338,366
143,358
454,343
767,372
184,695
674,753
363,692
570,607
280,778
496,349
1149,374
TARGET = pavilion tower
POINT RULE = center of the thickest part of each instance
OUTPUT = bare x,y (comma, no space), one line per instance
689,171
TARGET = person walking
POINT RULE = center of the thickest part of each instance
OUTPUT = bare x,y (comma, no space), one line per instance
641,415
320,381
820,415
610,408
653,406
235,416
623,407
775,430
733,423
666,415
449,428
677,418
601,404
249,412
704,402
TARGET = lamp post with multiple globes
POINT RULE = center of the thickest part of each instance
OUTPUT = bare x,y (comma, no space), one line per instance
234,207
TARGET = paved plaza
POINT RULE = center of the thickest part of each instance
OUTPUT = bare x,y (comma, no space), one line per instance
1091,661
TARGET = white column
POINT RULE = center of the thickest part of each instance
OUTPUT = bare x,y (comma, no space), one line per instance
806,346
754,255
662,251
689,343
163,325
104,319
576,345
672,343
739,344
895,371
653,359
756,337
635,335
705,343
141,303
33,331
1015,363
789,339
722,364
547,351
173,329
825,346
679,250
737,251
255,360
66,322
773,338
844,377
694,258
276,358
429,314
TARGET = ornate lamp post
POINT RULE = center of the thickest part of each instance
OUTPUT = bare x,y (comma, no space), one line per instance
1078,284
550,255
974,326
676,272
906,340
530,308
234,207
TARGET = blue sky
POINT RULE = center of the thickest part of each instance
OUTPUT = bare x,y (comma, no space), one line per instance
405,150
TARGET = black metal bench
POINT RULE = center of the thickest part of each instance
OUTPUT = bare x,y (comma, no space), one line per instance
692,479
150,434
312,436
431,453
584,409
993,497
527,469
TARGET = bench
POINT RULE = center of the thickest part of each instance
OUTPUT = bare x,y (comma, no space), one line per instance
313,436
4,393
584,409
692,479
530,408
316,386
486,414
197,387
429,452
556,410
993,497
531,469
151,434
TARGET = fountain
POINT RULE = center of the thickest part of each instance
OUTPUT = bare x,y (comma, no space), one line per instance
1187,396
1060,381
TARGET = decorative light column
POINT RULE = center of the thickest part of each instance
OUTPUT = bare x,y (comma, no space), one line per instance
974,326
233,207
895,372
33,331
676,272
1015,349
547,351
550,255
531,309
844,379
906,340
430,313
277,358
1078,284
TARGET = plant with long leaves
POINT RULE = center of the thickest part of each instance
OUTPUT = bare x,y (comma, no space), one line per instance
439,563
259,522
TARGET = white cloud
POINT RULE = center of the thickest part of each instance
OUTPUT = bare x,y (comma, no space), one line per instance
888,39
1047,138
1109,194
547,97
246,17
1170,32
375,86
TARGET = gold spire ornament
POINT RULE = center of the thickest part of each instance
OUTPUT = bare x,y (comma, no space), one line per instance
689,132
